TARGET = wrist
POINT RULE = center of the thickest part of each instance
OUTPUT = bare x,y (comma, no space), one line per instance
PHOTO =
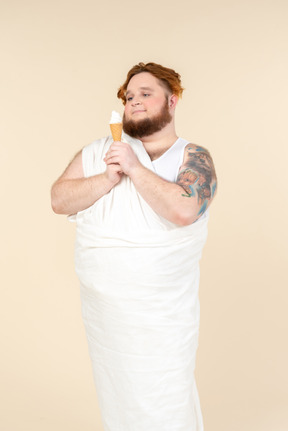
110,179
135,170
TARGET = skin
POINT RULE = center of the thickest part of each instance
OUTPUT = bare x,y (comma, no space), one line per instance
182,202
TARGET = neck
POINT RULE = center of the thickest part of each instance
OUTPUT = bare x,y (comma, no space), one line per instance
158,143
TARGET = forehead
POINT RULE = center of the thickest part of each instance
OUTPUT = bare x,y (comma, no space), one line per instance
144,79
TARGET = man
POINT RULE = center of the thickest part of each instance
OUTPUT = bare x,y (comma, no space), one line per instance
141,212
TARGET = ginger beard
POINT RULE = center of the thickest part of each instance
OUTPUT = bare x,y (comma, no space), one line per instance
147,126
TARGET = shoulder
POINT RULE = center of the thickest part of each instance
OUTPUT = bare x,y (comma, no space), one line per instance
96,149
98,143
74,168
196,156
93,155
195,149
82,164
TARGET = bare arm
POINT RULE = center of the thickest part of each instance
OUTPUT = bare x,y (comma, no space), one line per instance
182,202
198,178
72,192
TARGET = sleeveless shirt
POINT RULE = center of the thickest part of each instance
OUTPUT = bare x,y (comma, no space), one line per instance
167,166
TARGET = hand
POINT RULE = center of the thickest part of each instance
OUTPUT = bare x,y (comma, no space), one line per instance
122,154
114,173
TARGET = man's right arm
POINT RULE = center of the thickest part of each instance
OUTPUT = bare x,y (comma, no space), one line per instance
72,192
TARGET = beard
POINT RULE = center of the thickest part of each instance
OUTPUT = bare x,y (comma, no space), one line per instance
147,126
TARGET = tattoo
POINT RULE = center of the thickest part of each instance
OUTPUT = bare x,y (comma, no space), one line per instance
197,176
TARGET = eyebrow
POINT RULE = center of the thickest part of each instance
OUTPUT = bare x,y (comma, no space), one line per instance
141,88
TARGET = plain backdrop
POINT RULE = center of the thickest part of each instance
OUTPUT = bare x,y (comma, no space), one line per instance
62,62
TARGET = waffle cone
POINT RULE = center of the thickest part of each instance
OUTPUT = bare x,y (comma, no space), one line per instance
116,130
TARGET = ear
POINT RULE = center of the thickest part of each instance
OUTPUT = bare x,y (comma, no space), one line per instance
172,101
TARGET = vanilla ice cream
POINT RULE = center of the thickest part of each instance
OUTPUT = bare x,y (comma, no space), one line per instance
115,118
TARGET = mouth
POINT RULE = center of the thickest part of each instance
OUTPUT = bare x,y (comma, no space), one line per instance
139,111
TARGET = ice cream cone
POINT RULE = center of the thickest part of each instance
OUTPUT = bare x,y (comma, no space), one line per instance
116,130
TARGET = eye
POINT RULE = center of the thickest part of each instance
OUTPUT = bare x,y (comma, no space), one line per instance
146,94
128,99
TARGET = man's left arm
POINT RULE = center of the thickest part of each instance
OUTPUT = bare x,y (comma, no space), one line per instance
182,202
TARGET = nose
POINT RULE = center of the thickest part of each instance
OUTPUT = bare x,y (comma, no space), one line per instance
135,102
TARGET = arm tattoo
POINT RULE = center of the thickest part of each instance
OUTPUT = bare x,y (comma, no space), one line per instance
197,176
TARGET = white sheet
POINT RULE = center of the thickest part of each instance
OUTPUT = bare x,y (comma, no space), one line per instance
139,278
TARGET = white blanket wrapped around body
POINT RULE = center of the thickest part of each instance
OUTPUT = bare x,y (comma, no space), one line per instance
139,278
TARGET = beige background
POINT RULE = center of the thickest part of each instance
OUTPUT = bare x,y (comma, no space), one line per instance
62,63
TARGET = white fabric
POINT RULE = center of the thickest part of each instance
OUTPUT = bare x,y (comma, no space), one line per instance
167,166
139,278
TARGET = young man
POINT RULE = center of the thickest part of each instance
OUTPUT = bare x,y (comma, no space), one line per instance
141,212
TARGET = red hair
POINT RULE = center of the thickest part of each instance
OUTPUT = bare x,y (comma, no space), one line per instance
170,79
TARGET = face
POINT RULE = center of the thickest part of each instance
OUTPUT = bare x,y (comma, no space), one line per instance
147,106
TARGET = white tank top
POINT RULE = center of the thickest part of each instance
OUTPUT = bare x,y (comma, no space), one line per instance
167,166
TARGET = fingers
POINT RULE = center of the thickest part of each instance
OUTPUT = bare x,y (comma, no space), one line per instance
111,161
121,154
115,168
111,157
